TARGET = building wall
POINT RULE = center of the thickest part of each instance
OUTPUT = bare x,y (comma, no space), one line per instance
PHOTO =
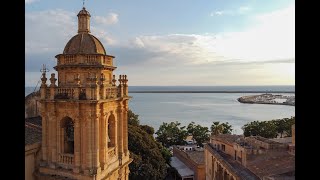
228,147
198,169
216,169
31,160
32,105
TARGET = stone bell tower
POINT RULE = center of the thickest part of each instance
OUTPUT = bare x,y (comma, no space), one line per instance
84,114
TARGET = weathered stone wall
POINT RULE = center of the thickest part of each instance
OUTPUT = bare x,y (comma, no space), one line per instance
198,169
32,157
32,105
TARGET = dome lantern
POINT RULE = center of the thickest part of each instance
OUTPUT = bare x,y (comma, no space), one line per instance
83,21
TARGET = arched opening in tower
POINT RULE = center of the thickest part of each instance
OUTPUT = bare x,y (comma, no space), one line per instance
67,126
111,131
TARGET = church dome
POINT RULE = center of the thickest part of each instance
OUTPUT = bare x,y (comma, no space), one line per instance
84,43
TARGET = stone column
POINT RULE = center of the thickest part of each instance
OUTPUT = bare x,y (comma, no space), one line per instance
120,132
84,143
125,131
44,137
52,137
103,134
77,144
58,127
89,142
95,152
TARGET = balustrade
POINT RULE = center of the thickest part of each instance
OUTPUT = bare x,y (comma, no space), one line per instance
66,159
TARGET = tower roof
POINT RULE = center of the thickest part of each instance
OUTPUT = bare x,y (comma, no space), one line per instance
84,43
83,11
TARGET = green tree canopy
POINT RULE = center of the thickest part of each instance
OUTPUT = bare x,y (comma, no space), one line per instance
149,156
148,161
269,129
223,128
133,119
171,134
199,134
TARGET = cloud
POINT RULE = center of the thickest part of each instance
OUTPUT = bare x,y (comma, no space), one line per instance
48,31
239,11
30,1
271,38
260,54
112,18
243,9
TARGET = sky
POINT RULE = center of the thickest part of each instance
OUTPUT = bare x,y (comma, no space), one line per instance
172,42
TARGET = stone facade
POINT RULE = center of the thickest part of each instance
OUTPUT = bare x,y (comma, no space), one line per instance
84,115
235,157
32,105
193,159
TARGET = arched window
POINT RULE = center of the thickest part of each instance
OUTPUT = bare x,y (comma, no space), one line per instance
67,126
111,131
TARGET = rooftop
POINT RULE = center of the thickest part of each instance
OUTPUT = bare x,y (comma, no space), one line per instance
240,170
271,163
182,169
196,156
33,130
228,138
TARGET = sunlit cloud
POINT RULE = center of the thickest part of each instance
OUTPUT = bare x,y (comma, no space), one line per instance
239,11
30,1
111,18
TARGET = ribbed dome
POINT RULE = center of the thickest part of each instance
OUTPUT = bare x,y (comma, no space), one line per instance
84,43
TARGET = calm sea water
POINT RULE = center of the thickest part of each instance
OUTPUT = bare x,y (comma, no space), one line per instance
203,108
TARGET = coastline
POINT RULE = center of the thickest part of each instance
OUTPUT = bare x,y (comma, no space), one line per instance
268,99
211,92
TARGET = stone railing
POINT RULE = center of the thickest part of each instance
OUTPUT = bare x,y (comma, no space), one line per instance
64,93
90,59
111,92
85,59
66,159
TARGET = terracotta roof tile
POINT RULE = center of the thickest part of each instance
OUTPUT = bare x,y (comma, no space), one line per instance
33,130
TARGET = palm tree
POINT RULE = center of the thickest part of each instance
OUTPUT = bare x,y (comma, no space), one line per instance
216,128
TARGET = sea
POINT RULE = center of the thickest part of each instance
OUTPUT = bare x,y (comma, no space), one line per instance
203,108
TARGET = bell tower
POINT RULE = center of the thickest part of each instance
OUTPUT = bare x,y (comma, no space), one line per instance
84,113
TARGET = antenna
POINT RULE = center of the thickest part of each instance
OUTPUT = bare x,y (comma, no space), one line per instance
83,2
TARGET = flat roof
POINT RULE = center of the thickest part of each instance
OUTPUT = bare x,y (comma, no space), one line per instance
182,169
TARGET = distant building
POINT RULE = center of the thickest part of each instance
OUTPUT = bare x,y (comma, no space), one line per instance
234,157
83,129
189,162
190,140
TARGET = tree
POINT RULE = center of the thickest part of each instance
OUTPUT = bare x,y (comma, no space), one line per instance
148,129
199,134
288,125
149,156
148,161
223,128
227,129
133,119
280,125
269,129
266,129
171,134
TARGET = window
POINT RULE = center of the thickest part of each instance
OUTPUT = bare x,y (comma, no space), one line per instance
111,131
223,147
67,126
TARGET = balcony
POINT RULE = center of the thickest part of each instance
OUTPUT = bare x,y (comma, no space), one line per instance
67,159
